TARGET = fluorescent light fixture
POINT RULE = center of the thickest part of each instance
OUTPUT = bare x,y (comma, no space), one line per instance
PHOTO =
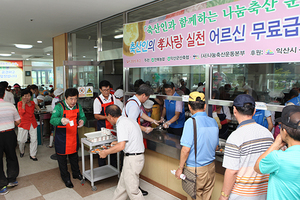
5,54
48,54
12,52
95,47
24,46
39,41
27,58
83,56
118,36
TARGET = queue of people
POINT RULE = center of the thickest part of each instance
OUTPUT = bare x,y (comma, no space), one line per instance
256,167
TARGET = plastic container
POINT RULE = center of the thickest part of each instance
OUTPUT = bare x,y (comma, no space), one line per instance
182,176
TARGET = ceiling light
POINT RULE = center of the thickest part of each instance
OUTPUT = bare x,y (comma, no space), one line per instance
118,36
23,46
48,54
83,56
27,58
39,41
95,47
12,52
5,54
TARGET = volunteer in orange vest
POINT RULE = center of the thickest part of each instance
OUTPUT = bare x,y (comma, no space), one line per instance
100,103
68,116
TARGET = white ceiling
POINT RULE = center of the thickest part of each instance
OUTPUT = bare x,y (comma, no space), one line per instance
27,21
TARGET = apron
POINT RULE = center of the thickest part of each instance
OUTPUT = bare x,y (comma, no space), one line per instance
104,123
223,132
66,137
138,119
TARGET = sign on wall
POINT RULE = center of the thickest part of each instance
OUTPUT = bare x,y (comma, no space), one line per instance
257,31
11,71
85,91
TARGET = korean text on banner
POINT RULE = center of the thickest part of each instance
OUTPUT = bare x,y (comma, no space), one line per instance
258,31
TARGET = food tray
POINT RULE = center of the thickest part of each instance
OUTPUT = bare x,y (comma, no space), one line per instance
97,149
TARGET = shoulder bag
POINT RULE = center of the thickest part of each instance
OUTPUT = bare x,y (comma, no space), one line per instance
189,184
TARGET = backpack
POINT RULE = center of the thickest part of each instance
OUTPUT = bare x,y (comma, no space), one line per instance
260,118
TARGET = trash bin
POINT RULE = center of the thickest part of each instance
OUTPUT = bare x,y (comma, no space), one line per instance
39,137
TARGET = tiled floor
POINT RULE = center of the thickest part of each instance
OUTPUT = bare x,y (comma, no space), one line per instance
41,181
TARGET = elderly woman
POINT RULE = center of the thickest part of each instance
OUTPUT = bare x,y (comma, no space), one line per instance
28,124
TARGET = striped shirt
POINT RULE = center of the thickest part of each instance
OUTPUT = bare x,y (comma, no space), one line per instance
243,147
8,115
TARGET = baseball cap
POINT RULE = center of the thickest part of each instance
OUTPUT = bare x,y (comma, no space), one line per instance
194,95
242,99
290,116
148,104
58,91
119,93
16,85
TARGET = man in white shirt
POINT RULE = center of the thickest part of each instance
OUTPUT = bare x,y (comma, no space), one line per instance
130,140
8,97
9,117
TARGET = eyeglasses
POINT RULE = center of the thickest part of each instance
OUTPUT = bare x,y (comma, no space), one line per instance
106,90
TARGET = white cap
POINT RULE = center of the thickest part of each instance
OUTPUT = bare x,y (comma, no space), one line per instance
40,97
58,91
148,104
119,93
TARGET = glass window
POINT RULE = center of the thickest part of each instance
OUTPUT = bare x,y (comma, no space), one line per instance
84,43
83,76
34,77
156,76
40,77
112,33
270,83
166,7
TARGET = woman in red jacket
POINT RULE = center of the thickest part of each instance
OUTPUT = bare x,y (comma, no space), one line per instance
28,124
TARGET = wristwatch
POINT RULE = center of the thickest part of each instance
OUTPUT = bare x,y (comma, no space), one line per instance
224,195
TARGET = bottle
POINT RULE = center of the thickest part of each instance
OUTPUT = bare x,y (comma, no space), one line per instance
182,176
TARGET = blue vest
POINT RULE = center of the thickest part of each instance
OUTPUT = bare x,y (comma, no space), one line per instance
170,113
260,118
295,101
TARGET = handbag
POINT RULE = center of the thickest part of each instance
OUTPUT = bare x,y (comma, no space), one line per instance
189,184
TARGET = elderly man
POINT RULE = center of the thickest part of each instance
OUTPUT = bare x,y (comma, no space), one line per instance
283,166
242,149
207,141
9,117
8,97
133,110
130,140
68,116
